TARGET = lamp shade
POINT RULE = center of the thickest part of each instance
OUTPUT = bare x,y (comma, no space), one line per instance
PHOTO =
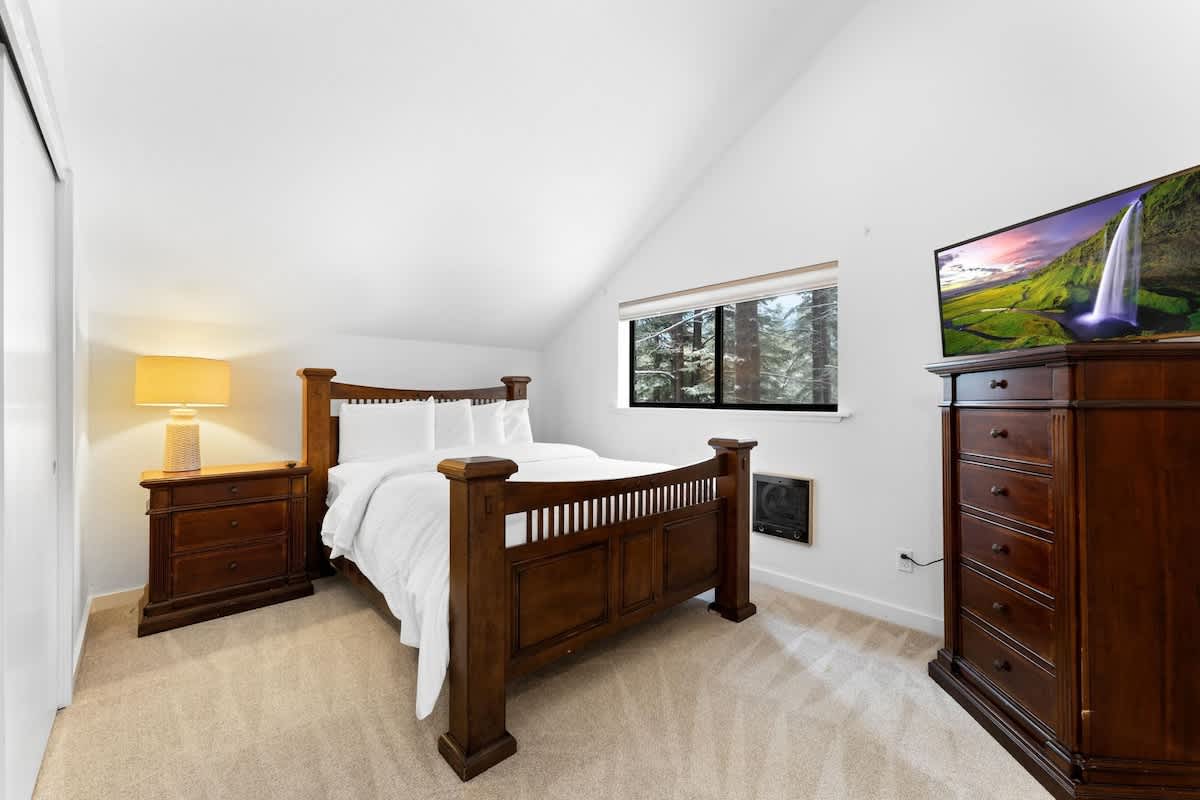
181,381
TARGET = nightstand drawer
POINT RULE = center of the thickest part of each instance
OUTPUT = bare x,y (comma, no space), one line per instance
238,489
205,572
206,527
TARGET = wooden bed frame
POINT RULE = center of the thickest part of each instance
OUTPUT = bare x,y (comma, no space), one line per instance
598,556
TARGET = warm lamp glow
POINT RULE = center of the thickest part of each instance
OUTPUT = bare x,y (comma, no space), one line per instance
181,381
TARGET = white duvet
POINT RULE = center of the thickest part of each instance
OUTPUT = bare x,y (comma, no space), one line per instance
391,518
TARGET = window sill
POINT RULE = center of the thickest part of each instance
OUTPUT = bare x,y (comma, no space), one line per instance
742,413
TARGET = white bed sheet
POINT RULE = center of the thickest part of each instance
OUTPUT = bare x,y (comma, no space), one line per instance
391,518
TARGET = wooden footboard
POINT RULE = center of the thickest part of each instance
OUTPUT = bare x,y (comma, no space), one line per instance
597,557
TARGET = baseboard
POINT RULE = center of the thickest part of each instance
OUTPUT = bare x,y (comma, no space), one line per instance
79,639
99,602
103,602
909,618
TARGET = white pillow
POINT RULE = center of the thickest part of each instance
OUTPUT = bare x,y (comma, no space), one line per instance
371,431
516,422
452,424
487,419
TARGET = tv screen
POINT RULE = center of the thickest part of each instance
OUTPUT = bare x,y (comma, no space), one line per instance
1124,266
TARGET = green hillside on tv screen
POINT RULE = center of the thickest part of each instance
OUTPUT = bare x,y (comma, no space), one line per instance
1123,266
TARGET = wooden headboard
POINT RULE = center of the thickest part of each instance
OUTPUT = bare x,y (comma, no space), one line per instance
319,431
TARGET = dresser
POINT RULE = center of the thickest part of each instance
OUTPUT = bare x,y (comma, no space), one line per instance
1071,504
223,540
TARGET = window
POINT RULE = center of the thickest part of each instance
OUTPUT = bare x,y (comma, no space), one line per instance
675,358
777,352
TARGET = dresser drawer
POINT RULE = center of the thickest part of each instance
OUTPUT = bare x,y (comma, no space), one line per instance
1030,623
1021,557
206,527
1025,682
238,489
1017,495
1032,383
221,569
1014,435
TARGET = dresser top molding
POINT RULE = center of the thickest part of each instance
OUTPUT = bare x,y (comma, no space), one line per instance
1062,354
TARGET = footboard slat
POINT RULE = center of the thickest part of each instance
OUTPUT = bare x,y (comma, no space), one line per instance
526,495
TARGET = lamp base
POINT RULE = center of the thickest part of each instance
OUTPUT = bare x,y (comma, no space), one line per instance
181,451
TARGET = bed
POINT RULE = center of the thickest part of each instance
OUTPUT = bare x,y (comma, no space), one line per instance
550,547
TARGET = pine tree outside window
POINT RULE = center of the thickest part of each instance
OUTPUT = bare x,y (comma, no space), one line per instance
776,353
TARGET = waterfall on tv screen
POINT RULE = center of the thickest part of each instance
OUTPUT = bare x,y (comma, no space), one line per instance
1118,295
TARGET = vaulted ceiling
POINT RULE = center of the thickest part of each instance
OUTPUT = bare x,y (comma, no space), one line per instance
459,170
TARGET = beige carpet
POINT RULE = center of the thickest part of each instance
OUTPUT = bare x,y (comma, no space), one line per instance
314,699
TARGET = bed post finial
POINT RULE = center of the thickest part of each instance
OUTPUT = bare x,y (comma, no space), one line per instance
478,738
518,386
733,591
316,450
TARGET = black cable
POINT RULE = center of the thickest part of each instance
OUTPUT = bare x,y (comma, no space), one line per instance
907,557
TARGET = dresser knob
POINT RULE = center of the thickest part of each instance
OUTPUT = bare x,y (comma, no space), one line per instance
998,433
999,548
999,607
233,489
998,491
1001,665
1000,384
232,565
233,523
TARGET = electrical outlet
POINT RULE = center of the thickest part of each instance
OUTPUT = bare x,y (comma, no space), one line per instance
904,564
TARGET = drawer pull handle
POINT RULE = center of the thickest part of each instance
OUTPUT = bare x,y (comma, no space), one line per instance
998,491
233,489
998,433
999,607
1000,384
1001,665
233,523
999,549
232,565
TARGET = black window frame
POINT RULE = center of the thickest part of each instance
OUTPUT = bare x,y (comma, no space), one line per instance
718,373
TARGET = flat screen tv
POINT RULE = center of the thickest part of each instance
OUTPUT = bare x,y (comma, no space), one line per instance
1123,266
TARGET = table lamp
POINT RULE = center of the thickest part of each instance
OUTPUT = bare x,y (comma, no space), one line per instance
183,384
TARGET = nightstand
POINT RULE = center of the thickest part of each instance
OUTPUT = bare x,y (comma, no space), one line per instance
223,540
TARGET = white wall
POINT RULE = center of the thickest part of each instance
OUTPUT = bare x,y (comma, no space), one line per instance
262,422
924,122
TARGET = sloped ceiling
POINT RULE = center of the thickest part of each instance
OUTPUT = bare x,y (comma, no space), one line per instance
443,169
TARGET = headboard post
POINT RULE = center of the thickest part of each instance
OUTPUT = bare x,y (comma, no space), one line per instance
316,452
517,385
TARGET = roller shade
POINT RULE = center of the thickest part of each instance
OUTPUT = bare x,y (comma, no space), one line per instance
788,281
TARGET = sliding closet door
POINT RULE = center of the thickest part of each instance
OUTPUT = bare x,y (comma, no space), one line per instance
29,553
